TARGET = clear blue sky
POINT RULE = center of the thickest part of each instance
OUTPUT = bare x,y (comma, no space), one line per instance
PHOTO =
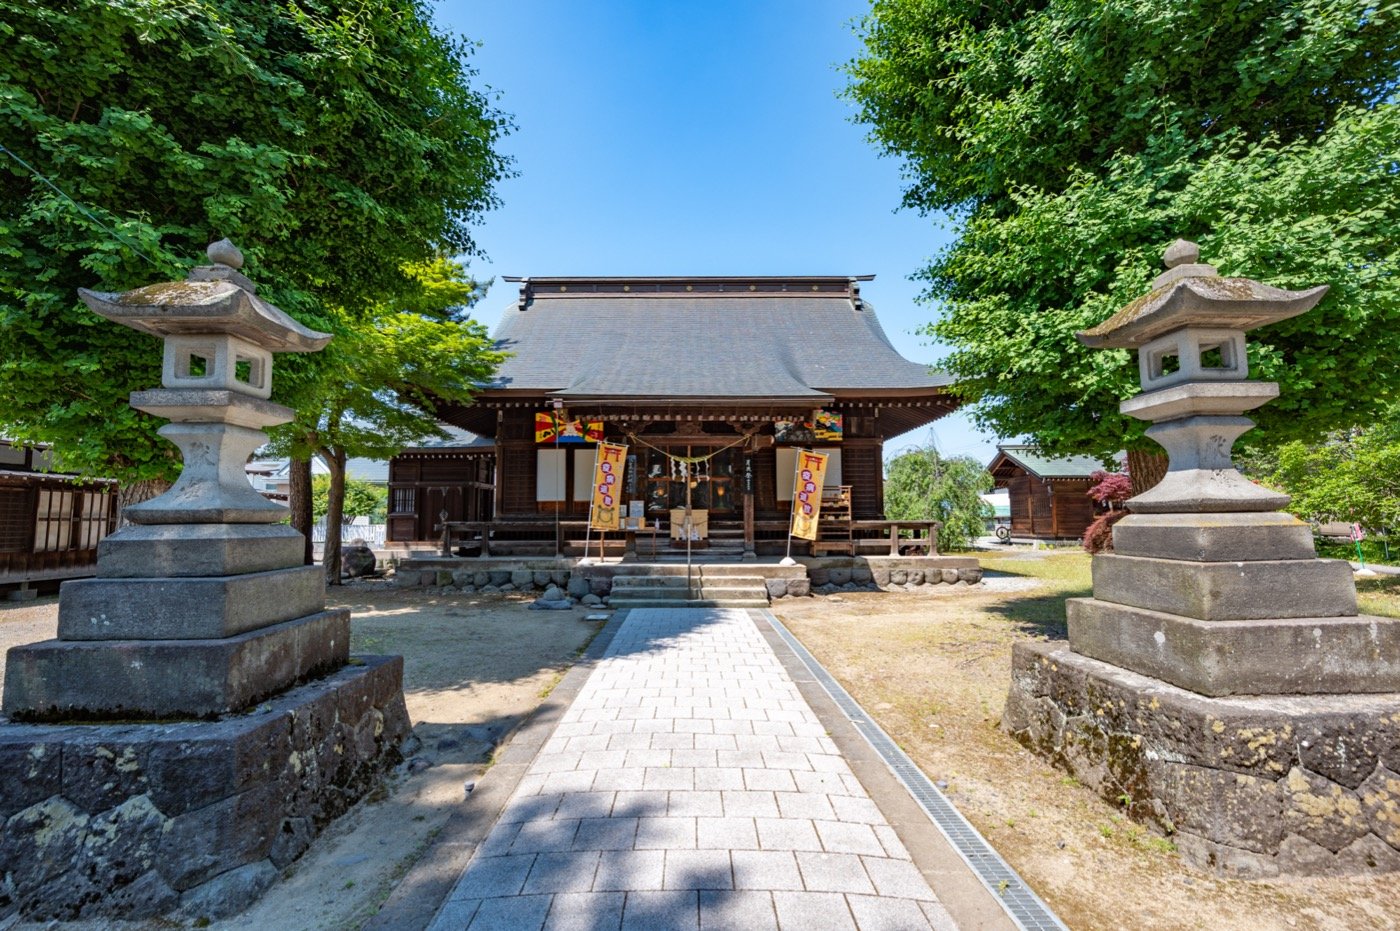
660,137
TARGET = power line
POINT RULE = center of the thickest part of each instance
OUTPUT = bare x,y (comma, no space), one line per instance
85,211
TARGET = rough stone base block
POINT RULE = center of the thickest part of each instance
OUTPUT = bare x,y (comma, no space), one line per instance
133,821
1214,537
106,680
1228,591
1292,656
1249,787
187,608
178,550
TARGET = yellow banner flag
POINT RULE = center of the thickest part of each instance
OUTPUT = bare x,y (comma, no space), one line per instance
610,461
807,493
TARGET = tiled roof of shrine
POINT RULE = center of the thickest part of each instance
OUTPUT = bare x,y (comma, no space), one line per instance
792,338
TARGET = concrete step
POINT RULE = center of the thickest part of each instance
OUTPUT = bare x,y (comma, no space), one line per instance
734,591
652,594
708,570
687,603
752,587
649,581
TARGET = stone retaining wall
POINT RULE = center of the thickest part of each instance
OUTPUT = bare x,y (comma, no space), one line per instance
134,821
825,575
1245,786
829,575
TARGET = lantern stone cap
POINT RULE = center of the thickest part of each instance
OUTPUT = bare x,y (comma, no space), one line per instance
1229,398
213,300
1195,295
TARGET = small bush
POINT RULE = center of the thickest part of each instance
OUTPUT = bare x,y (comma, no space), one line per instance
1098,536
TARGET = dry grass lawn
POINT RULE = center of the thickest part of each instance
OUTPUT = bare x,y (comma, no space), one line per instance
934,668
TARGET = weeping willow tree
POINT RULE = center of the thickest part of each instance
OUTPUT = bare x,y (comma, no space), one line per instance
922,485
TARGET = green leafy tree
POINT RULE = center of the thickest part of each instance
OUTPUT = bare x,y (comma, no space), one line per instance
384,377
1351,476
336,143
362,499
922,485
1072,140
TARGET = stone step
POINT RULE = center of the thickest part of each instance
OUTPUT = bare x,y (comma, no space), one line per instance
663,591
687,603
661,596
699,587
709,570
648,581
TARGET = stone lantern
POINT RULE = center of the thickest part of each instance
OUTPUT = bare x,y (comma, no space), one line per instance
220,714
206,578
1209,578
1220,678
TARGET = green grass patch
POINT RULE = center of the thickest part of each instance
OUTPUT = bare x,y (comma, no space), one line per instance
1069,569
1374,550
1379,595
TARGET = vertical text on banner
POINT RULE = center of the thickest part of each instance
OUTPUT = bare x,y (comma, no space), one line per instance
807,493
610,463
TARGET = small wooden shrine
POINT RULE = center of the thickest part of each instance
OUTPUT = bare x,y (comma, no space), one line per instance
1048,494
456,477
713,384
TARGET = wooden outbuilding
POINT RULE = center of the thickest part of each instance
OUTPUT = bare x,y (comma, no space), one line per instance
1049,494
454,479
50,523
713,384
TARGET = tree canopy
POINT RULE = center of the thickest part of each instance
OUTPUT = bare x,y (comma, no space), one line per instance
1072,140
362,498
336,143
922,485
383,376
1351,476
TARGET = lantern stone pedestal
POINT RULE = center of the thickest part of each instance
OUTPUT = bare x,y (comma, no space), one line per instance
1220,683
198,719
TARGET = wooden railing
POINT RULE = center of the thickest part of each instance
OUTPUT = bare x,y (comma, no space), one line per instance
860,537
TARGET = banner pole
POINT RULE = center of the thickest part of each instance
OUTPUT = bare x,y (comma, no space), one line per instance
689,531
588,531
792,510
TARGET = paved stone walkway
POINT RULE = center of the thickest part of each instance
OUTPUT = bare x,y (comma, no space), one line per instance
690,786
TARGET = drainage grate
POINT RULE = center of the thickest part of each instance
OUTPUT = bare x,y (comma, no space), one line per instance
1024,907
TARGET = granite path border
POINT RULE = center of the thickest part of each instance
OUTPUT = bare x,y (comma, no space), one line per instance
947,871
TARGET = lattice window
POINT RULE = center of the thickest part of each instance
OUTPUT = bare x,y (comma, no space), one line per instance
71,520
403,501
93,514
16,515
53,521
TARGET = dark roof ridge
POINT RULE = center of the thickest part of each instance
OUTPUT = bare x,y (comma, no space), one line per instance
681,279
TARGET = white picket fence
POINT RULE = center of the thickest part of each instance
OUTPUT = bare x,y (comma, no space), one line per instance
373,534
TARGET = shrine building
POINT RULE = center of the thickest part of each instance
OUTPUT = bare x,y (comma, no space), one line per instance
1049,495
713,384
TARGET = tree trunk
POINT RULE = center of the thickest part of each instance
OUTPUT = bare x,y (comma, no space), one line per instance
335,513
299,497
137,492
1146,469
